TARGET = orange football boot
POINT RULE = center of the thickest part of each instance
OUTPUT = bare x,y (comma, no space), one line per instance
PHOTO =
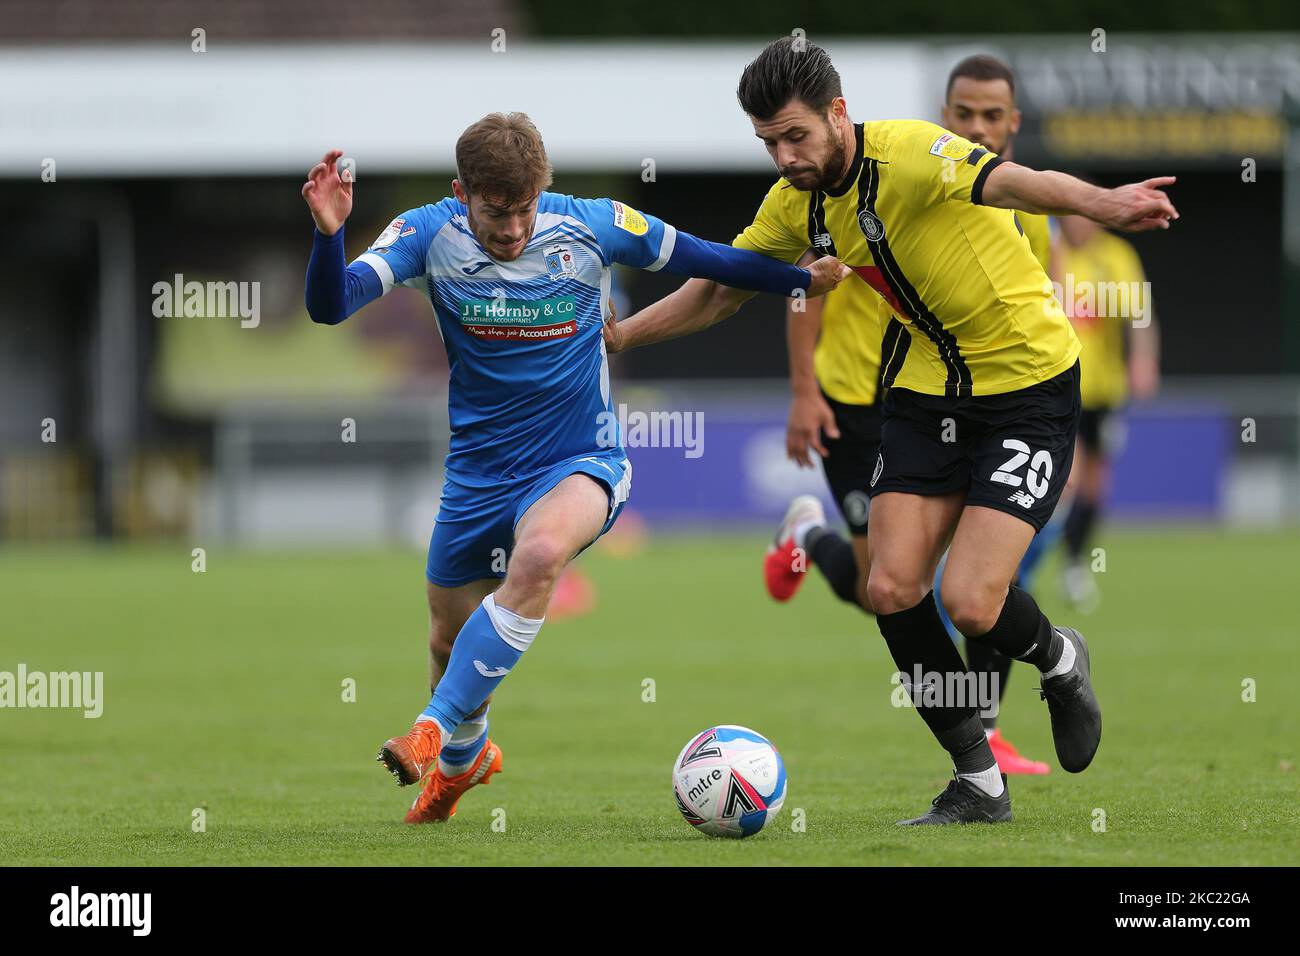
437,802
409,758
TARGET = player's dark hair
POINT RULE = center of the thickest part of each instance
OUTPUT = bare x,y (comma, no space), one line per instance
502,156
788,69
981,66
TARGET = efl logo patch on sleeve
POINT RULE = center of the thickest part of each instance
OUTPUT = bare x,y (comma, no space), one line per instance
627,218
951,147
391,234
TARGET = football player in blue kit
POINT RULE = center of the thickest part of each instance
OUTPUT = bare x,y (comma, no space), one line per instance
519,281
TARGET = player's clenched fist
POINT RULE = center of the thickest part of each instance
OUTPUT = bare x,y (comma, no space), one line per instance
827,273
328,197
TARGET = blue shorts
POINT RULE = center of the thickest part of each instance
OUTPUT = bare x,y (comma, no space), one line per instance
475,531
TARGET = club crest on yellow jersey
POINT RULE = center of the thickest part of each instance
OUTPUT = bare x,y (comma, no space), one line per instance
871,225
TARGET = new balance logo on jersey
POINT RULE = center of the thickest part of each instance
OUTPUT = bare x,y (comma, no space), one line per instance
490,671
474,269
1023,499
822,240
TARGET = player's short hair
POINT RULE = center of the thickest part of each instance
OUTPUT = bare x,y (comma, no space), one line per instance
503,156
981,66
788,69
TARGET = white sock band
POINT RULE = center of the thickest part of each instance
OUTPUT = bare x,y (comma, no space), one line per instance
470,730
516,631
801,532
1066,662
990,780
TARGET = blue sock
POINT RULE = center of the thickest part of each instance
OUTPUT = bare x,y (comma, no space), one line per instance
938,603
1038,548
487,647
464,745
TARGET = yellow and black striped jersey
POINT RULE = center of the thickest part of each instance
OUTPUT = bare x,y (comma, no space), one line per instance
846,360
1091,274
977,312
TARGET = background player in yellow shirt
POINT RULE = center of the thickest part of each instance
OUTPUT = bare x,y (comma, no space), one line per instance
834,346
1105,294
983,384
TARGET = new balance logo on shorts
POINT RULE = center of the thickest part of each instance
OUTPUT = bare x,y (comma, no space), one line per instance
1024,499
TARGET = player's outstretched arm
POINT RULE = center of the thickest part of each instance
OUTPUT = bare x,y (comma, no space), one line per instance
1137,207
701,303
333,290
695,306
743,269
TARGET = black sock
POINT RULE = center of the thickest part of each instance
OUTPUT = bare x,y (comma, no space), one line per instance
1022,631
917,639
989,660
968,746
836,561
1078,527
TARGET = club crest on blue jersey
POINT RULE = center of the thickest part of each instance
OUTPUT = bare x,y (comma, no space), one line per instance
560,262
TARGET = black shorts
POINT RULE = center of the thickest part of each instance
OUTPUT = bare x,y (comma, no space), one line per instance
851,458
1101,431
1010,452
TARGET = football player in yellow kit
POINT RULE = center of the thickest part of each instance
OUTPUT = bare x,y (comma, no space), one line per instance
981,371
834,345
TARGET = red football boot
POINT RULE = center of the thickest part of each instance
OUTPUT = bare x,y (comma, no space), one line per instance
785,565
1009,759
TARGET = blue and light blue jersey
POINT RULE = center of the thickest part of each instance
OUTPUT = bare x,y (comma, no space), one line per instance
529,375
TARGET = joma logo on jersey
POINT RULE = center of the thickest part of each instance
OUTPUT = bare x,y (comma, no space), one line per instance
871,225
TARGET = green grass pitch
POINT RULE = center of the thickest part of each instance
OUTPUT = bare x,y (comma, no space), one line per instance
223,692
